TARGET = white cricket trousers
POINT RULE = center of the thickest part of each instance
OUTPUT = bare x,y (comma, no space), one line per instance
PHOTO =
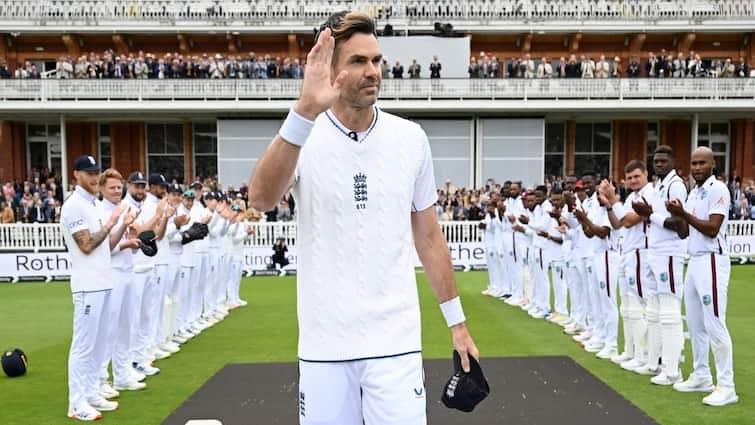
88,345
237,261
161,287
606,278
388,390
145,281
124,332
516,265
211,287
201,281
494,268
558,277
185,278
114,318
705,293
169,286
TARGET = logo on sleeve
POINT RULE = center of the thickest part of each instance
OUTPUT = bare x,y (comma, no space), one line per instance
602,285
631,281
76,223
664,277
360,191
720,201
703,194
706,299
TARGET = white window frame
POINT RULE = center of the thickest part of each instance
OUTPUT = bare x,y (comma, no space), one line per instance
710,140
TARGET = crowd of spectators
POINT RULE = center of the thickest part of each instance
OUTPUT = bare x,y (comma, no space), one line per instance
663,65
170,65
35,200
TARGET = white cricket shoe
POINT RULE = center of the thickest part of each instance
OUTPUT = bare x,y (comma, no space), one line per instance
632,364
131,386
485,291
594,346
103,405
582,337
648,370
84,412
513,301
107,391
607,352
241,303
721,396
137,376
621,358
666,380
146,369
693,384
160,354
573,329
169,347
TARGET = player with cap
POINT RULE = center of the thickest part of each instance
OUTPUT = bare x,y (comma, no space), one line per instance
358,309
188,277
151,223
122,243
514,208
705,218
212,245
86,236
200,214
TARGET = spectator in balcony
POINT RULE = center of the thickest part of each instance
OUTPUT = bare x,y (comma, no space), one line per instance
120,70
38,212
698,69
561,68
397,71
652,65
385,69
587,66
483,71
529,67
573,70
602,68
742,70
21,73
4,70
260,68
728,70
633,68
414,69
435,67
495,68
679,66
512,70
34,73
544,69
141,70
272,67
7,215
616,67
232,67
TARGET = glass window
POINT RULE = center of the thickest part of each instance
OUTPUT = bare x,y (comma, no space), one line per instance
555,147
716,137
592,148
165,150
205,150
106,160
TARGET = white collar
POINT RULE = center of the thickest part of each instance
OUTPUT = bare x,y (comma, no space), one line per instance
84,194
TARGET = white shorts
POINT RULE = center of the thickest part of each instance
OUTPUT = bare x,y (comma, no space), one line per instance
388,390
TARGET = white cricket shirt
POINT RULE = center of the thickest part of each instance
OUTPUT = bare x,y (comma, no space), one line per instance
357,292
662,240
712,197
636,237
119,259
89,272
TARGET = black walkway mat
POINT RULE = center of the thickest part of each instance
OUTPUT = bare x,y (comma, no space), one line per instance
524,391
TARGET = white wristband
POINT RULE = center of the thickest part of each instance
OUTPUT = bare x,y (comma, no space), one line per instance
452,312
295,128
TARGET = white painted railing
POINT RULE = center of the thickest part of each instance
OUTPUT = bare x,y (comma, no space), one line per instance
51,90
35,237
172,12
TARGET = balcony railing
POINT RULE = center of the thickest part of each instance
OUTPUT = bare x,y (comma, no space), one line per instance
263,12
49,91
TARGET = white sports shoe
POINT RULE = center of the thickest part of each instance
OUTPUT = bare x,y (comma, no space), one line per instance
513,301
107,391
84,412
485,291
160,354
607,352
131,386
648,370
137,376
621,358
169,347
693,384
582,337
241,303
632,364
573,329
721,396
594,346
146,369
103,405
666,380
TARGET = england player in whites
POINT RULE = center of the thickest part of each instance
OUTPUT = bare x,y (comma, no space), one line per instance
704,216
363,180
84,233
